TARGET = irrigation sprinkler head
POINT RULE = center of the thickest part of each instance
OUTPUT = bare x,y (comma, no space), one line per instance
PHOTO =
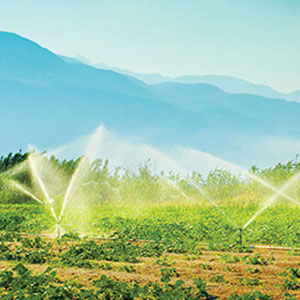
241,236
58,230
50,201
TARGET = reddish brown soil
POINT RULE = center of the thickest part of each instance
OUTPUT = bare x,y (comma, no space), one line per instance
189,267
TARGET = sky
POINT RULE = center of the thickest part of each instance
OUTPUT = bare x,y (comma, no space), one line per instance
256,40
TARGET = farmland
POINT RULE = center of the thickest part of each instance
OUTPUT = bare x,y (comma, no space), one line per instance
136,237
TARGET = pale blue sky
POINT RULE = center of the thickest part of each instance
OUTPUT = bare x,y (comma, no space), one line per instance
258,40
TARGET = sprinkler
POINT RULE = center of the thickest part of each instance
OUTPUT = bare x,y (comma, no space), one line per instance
58,230
241,236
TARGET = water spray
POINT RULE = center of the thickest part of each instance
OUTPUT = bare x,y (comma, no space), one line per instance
162,157
36,175
274,197
26,192
280,192
173,184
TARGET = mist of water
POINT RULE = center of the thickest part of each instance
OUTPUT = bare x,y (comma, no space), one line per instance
173,184
70,188
36,175
274,197
160,156
246,173
90,152
25,191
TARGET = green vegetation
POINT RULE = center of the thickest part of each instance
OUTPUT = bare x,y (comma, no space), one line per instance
139,204
20,283
143,217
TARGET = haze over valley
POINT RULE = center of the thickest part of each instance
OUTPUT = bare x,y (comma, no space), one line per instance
50,100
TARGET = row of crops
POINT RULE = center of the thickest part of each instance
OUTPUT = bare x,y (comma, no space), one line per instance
101,183
31,264
178,228
158,242
139,204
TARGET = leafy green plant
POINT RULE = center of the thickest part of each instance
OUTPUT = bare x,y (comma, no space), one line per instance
230,259
127,268
251,296
253,270
218,279
167,274
205,266
256,259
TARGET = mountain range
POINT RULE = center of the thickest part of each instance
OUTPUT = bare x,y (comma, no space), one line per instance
228,84
48,100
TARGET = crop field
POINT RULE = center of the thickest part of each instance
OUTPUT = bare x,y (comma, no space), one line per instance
143,236
157,255
84,270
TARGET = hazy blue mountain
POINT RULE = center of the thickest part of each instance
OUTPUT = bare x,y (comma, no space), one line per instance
73,60
147,78
24,60
231,84
228,84
280,114
295,96
48,100
83,60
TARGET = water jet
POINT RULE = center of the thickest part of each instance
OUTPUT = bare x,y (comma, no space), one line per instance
250,175
25,191
170,162
273,198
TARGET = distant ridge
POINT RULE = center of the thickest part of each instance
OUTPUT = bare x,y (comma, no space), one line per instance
48,100
22,59
228,84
